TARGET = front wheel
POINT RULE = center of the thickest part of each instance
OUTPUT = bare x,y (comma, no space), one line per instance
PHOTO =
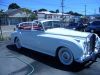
65,56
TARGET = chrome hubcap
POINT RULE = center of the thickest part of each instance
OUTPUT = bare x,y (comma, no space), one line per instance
65,57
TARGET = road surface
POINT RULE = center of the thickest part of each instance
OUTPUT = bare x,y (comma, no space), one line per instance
24,62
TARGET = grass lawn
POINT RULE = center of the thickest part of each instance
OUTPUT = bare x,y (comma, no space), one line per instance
3,38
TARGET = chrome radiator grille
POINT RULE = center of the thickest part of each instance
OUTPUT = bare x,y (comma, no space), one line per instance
92,42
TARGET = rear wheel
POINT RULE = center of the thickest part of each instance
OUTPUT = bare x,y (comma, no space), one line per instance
65,56
17,43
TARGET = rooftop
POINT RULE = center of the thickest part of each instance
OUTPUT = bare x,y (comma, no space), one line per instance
47,12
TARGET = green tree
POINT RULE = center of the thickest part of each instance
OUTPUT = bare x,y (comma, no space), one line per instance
42,10
57,11
1,10
13,6
35,12
77,14
33,16
70,12
29,14
74,13
52,11
27,11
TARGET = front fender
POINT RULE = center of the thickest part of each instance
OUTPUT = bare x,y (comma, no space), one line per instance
74,46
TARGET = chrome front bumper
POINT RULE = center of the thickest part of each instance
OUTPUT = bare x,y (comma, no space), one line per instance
92,56
89,57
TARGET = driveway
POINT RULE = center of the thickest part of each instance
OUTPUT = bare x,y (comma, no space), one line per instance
28,62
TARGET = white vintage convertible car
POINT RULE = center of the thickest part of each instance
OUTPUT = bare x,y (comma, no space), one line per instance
50,37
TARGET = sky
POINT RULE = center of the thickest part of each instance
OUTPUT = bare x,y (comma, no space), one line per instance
92,6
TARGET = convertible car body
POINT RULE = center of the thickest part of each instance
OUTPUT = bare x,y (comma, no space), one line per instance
49,37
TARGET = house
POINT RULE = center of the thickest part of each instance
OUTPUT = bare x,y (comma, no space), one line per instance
3,18
15,16
49,15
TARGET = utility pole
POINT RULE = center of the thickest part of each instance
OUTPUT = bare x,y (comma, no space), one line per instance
85,10
99,10
94,11
62,6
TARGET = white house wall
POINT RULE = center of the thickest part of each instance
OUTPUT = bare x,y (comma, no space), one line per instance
20,15
41,16
53,16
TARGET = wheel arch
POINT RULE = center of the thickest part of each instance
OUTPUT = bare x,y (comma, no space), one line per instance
76,50
57,50
15,38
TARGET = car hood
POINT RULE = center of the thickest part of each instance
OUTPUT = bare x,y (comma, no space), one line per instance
67,32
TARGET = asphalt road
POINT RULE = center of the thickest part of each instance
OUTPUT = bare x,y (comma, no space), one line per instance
24,62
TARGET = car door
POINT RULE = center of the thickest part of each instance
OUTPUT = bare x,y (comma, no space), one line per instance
37,30
44,43
26,34
31,38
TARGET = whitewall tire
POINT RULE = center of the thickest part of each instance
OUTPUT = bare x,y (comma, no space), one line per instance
65,56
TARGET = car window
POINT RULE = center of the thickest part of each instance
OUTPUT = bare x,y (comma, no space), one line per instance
47,25
40,25
37,26
56,24
25,26
53,24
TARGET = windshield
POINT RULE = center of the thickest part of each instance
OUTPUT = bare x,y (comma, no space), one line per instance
96,23
53,24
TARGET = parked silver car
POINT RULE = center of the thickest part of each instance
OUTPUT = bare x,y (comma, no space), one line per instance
48,37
